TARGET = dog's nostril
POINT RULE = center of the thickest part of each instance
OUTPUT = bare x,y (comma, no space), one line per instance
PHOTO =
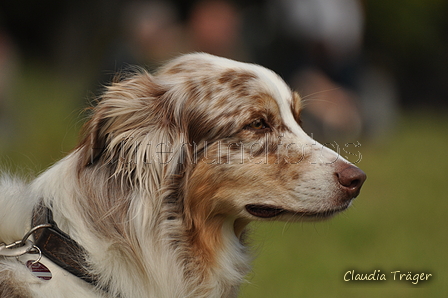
351,178
354,183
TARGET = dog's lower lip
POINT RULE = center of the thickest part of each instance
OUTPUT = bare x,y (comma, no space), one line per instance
268,211
264,211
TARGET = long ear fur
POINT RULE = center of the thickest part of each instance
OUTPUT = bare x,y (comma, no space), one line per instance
118,152
125,106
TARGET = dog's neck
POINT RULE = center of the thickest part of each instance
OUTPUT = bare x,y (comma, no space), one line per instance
217,248
207,259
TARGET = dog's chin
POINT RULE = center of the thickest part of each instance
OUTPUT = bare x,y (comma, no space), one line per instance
262,211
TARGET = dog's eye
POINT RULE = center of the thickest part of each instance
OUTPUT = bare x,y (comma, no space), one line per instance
258,125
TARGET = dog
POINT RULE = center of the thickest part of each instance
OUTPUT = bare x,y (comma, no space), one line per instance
170,169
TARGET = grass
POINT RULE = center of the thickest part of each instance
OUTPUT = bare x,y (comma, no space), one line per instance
399,221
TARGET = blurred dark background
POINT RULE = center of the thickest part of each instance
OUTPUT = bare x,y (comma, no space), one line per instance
370,71
369,58
407,38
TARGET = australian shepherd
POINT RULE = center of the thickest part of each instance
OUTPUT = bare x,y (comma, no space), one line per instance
155,199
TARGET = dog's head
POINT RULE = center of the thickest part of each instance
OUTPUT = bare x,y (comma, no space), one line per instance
221,139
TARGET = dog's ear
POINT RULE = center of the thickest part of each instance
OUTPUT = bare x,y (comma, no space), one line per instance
92,143
125,108
296,107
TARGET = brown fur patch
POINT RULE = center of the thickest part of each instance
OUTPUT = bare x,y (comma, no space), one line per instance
205,214
227,76
235,78
176,69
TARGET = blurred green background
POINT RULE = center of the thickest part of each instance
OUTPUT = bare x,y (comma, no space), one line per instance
54,56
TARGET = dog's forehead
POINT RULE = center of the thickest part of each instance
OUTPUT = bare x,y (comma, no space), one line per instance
280,91
209,64
273,85
268,81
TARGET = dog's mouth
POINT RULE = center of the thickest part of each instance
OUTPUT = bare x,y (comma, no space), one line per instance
268,211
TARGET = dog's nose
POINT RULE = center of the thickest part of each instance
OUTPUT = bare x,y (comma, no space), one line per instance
351,179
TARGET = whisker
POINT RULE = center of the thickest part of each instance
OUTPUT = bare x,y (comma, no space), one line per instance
311,97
